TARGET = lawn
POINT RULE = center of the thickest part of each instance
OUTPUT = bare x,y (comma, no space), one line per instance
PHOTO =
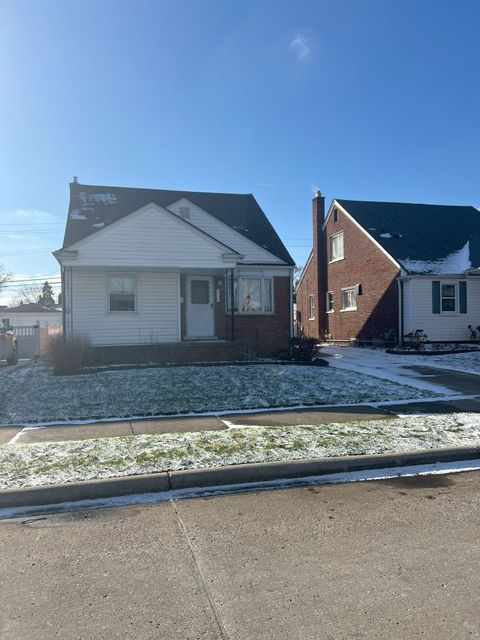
32,394
49,463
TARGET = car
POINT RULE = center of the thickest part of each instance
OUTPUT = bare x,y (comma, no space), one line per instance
8,344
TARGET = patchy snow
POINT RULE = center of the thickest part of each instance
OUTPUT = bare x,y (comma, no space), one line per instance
437,468
394,367
76,214
98,225
455,263
52,463
181,390
385,235
88,199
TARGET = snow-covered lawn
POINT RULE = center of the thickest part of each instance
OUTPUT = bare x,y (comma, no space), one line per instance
49,463
33,394
467,362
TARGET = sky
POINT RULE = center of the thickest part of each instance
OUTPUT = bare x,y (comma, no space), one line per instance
373,100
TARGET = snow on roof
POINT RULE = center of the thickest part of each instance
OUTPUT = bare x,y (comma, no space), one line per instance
456,262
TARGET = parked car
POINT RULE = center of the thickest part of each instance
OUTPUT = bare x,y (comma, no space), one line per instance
8,345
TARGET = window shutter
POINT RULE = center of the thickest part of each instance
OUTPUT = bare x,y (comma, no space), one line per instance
463,296
435,296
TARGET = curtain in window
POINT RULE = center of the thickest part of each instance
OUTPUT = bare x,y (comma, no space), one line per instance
251,294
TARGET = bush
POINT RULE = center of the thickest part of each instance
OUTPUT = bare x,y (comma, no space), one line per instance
68,356
303,349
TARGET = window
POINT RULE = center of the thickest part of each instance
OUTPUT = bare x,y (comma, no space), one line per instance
200,291
349,299
336,247
449,297
251,295
335,215
121,293
329,302
311,307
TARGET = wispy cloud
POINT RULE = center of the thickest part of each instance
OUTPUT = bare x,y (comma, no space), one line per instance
301,47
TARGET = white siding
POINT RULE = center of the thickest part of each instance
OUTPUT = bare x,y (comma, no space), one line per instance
214,227
439,326
151,237
29,319
157,309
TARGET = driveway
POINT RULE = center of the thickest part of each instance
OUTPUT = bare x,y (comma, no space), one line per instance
390,559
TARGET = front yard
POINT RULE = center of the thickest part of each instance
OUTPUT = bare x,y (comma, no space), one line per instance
50,463
32,394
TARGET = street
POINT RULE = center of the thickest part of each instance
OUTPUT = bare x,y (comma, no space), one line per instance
392,559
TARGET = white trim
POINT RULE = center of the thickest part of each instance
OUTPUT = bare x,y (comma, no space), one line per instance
311,307
337,234
456,298
355,290
227,226
332,310
172,215
211,296
350,217
304,270
126,274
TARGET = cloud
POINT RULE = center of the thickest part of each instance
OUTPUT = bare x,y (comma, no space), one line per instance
301,47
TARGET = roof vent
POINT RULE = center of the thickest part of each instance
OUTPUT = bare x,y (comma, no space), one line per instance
75,179
184,212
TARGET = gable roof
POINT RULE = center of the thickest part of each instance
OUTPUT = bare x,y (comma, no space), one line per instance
94,207
33,307
422,238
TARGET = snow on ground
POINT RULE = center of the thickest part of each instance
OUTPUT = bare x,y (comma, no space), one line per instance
50,463
32,394
389,366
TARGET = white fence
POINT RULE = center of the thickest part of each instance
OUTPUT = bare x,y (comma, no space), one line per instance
33,341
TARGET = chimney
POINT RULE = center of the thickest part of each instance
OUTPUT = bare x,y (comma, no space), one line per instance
75,180
319,255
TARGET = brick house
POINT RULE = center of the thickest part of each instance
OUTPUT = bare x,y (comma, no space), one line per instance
203,276
380,269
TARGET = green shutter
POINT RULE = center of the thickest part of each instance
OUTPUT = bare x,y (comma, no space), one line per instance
435,296
463,296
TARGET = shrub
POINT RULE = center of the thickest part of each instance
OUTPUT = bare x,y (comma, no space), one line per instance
68,356
303,349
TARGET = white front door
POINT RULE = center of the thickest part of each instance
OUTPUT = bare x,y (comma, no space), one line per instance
199,299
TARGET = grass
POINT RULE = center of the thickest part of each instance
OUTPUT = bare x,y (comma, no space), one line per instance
32,394
50,463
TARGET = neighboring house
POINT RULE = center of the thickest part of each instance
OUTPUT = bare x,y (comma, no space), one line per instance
31,314
144,266
384,268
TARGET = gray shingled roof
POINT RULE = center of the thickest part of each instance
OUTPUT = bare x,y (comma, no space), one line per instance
93,207
423,238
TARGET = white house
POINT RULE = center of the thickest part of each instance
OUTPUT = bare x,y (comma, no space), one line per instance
31,314
143,266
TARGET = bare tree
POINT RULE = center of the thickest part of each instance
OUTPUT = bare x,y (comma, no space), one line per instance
28,293
4,276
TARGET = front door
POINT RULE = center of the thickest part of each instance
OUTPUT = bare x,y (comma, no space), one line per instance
199,299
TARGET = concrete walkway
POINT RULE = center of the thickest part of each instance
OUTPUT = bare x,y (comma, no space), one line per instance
451,382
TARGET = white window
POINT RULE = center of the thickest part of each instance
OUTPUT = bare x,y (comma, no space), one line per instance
449,297
336,247
251,295
121,293
311,307
349,299
329,302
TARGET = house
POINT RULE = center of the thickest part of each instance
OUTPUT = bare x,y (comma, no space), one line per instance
31,314
203,274
385,269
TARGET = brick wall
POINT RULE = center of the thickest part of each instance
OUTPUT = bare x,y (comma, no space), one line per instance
365,264
266,334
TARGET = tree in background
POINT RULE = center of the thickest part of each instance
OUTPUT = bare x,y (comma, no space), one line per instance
46,297
4,276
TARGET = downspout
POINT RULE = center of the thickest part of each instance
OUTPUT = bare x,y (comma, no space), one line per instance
232,301
290,327
64,325
400,312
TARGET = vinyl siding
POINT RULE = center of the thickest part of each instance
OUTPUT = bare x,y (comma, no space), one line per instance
156,318
214,227
28,319
439,326
151,237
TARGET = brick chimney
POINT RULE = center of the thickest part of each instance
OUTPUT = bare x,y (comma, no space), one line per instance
320,256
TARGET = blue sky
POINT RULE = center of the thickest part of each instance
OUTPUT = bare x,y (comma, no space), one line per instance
375,99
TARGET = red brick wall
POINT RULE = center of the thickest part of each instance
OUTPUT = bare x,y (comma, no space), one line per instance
270,332
365,264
